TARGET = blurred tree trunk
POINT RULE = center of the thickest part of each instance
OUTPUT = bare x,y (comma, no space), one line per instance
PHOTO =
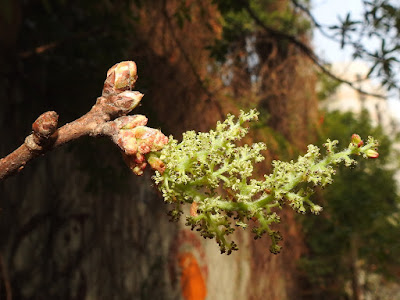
355,270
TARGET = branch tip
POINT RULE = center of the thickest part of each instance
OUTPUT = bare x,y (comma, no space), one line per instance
120,77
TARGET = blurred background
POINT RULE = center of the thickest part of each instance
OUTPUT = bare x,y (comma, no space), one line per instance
76,224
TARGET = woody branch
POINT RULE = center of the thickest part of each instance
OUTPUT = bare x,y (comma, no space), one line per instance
106,118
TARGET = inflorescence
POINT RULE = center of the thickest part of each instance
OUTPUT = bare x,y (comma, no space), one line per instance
215,175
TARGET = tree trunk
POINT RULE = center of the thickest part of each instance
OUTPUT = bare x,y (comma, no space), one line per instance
355,271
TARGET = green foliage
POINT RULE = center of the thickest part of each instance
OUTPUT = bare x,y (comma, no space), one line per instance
238,24
214,174
327,86
372,37
361,217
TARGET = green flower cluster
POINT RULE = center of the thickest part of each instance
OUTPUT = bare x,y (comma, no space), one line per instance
213,174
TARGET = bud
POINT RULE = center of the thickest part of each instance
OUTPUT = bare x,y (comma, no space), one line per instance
135,163
129,122
127,142
127,100
275,249
371,153
356,140
156,163
137,141
316,209
46,124
141,139
120,77
149,139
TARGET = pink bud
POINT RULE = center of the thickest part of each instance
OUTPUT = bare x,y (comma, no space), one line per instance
129,122
149,139
120,77
356,140
125,74
137,141
127,142
372,153
140,139
136,166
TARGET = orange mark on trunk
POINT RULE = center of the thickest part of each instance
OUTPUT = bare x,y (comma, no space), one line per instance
192,282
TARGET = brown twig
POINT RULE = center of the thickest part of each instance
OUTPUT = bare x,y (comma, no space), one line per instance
117,100
51,45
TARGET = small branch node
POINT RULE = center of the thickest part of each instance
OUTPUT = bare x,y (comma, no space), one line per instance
43,128
45,125
31,143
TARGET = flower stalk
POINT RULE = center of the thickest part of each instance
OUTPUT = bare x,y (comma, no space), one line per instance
214,175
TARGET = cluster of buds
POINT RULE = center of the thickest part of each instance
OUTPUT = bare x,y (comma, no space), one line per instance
357,142
137,143
117,97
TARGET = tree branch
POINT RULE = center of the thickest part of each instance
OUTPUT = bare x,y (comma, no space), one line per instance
192,67
106,118
306,50
51,45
